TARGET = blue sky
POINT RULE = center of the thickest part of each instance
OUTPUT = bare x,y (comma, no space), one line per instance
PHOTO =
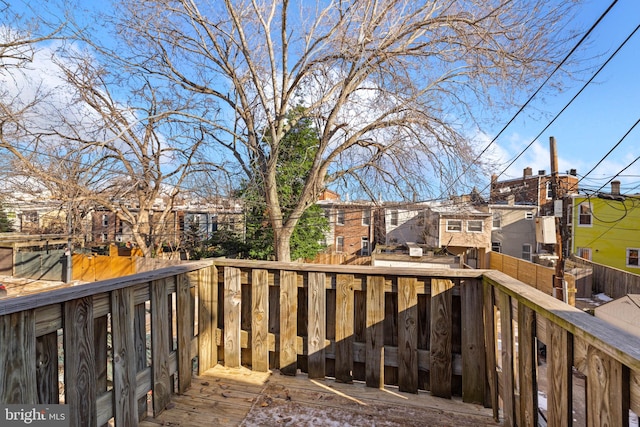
597,119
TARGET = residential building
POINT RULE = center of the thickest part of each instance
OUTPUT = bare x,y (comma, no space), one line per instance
533,189
604,229
351,224
460,228
403,223
513,229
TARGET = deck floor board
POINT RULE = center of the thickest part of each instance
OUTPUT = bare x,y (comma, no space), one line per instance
239,397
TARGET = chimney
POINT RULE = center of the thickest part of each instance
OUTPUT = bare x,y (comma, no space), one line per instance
528,172
494,178
573,172
615,188
542,172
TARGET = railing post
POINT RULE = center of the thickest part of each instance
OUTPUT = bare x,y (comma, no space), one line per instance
374,365
288,322
473,362
441,346
527,366
317,325
79,362
160,345
506,337
232,301
408,334
344,327
184,332
207,318
607,390
559,361
490,348
17,350
260,320
124,357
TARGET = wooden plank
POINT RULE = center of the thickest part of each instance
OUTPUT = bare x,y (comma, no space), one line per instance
440,363
47,368
140,336
124,357
100,326
508,380
260,320
374,366
66,293
288,322
559,393
207,318
184,331
618,344
527,366
274,325
160,344
232,301
607,390
634,392
489,315
79,362
317,322
18,379
473,363
344,328
407,334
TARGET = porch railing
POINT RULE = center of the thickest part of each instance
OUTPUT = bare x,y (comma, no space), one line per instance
453,332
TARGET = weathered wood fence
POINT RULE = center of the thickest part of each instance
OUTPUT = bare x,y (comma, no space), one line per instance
609,280
452,332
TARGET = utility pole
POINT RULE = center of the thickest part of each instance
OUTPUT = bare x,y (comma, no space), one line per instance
559,286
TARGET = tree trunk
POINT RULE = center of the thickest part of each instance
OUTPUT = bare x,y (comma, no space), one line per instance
282,244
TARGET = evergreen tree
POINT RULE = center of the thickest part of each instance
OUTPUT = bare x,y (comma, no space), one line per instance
295,159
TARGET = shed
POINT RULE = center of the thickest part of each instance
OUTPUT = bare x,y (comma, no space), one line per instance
623,312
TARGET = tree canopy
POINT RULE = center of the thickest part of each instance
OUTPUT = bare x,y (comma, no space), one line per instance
393,88
295,161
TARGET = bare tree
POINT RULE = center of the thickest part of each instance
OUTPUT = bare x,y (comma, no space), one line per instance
392,85
121,155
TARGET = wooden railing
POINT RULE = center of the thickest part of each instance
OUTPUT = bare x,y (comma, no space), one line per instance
452,332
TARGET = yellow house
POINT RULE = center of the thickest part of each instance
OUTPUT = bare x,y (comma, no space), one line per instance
605,229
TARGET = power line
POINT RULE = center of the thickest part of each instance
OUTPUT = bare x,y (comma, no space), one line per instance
610,151
582,39
569,103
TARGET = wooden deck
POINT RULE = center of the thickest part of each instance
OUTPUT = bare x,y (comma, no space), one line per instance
239,397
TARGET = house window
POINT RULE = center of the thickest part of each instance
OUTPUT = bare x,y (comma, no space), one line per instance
549,190
497,220
633,255
526,251
454,225
339,244
496,246
366,217
103,237
584,215
364,244
394,218
105,220
474,226
528,215
340,217
584,253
